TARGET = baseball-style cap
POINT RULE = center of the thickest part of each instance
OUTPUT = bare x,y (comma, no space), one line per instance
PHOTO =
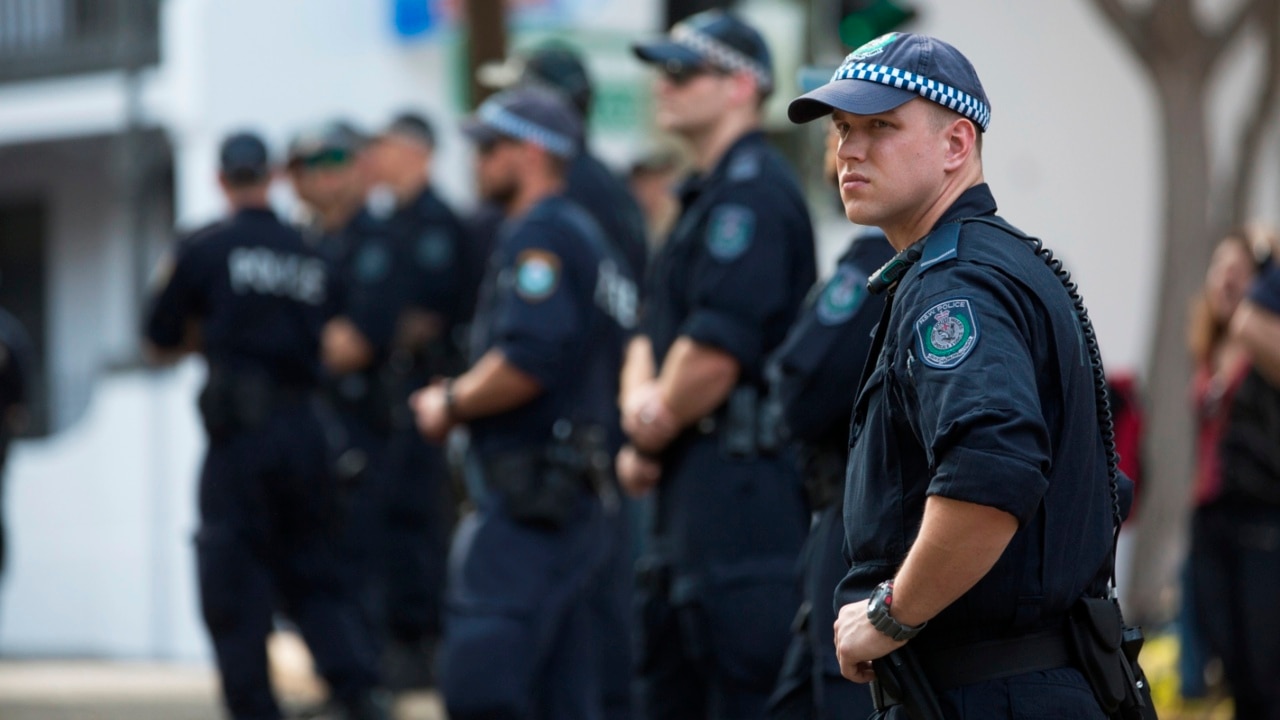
529,114
243,158
716,38
556,66
895,68
328,144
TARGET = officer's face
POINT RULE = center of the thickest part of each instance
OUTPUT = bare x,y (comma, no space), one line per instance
1231,271
891,165
498,170
690,99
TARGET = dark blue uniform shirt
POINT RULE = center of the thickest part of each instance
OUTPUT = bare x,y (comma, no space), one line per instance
557,303
736,266
598,191
260,294
816,382
371,277
432,245
982,392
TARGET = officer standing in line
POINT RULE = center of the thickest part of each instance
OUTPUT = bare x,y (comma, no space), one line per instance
982,491
604,196
717,591
330,175
418,511
812,385
540,401
269,510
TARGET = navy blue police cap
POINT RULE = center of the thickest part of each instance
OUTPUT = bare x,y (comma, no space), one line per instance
716,38
529,114
895,68
413,125
243,158
554,65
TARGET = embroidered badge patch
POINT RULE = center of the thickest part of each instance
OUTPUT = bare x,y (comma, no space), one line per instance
730,232
537,275
434,251
372,264
947,333
875,47
841,297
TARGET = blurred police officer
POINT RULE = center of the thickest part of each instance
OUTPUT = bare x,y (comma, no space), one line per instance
813,380
590,183
331,174
432,254
17,360
268,508
718,592
540,401
596,189
982,487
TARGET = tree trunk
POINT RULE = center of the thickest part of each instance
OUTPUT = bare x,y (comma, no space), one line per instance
1168,451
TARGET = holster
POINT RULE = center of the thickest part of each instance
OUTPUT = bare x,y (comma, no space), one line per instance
748,426
900,680
543,486
236,401
1106,652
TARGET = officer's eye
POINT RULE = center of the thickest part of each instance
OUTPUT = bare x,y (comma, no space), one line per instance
879,124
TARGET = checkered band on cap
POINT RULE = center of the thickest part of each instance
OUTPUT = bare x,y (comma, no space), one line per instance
509,123
721,54
941,93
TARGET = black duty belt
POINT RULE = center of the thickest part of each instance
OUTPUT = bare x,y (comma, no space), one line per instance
950,668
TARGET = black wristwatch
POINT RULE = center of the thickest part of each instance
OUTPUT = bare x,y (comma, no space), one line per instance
878,608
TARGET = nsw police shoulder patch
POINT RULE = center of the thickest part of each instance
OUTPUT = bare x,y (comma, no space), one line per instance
840,299
730,231
537,275
434,251
946,333
373,263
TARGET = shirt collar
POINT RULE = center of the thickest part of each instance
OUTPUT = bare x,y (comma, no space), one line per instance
977,201
695,182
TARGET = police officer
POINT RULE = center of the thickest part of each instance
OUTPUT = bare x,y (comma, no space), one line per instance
811,392
590,183
331,174
979,508
268,511
16,366
604,196
717,591
418,509
540,401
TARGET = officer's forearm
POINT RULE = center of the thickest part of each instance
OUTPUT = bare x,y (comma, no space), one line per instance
958,544
492,386
1259,330
696,379
637,368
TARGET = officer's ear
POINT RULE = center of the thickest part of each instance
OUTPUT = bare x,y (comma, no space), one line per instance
962,142
744,89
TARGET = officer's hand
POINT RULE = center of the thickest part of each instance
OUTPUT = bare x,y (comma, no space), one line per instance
858,643
430,412
637,474
648,421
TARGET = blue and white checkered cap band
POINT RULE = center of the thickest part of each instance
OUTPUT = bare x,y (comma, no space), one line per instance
509,123
941,93
721,54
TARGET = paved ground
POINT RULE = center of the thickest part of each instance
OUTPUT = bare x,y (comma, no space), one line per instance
99,690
